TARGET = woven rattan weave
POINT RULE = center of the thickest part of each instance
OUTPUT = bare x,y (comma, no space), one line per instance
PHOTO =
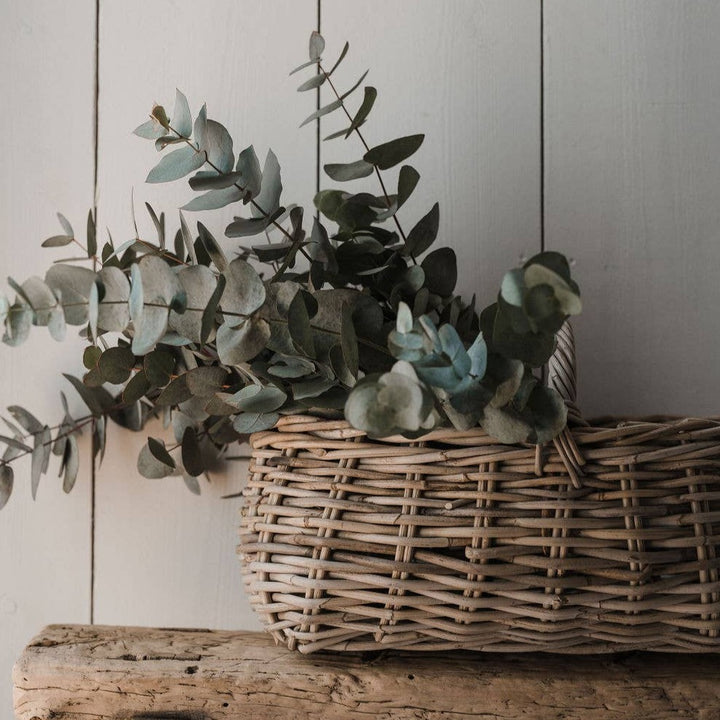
606,541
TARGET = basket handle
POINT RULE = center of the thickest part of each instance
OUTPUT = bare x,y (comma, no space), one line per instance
562,377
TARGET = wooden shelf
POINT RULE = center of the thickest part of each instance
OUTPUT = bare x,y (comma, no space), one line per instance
77,671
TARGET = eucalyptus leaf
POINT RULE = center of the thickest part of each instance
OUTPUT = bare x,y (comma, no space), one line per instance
567,295
268,199
158,366
159,452
207,324
317,45
248,166
136,299
272,251
512,288
259,399
113,311
15,444
343,53
214,199
394,152
192,459
370,95
57,241
348,341
158,112
41,299
181,118
440,268
357,84
325,110
200,126
91,233
136,388
93,309
160,288
150,130
185,240
91,356
40,458
478,355
291,367
26,419
246,227
176,392
149,466
213,249
176,164
191,483
99,438
97,400
505,425
342,172
159,223
390,403
247,423
56,324
244,292
66,226
205,381
199,283
303,66
73,283
311,387
423,235
7,476
301,309
218,146
116,364
17,325
71,463
315,81
238,344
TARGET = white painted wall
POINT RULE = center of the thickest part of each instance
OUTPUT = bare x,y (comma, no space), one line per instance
46,136
631,191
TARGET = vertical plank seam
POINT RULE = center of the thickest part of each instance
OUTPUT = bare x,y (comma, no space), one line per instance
96,122
542,125
317,122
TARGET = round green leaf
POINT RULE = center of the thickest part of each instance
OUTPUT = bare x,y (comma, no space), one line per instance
244,292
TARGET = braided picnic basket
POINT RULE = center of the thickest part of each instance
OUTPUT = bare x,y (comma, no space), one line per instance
606,541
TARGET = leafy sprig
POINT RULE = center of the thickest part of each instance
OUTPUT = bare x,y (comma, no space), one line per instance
219,346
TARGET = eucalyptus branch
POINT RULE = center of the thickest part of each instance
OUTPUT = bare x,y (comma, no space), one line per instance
367,149
296,242
70,431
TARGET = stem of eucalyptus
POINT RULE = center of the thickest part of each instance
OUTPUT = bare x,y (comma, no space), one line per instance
367,149
70,431
296,242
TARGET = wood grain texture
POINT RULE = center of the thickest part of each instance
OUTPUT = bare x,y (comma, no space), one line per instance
466,74
632,188
73,672
164,555
46,126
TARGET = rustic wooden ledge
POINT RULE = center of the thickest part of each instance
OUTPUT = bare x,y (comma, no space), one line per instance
77,671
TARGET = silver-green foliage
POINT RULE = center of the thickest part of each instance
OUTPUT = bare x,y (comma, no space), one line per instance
219,341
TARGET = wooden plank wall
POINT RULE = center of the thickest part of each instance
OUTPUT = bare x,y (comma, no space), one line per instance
624,93
632,192
47,86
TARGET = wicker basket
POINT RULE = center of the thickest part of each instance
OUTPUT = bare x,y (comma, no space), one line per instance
607,541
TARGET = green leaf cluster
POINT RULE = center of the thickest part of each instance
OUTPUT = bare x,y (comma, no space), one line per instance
347,313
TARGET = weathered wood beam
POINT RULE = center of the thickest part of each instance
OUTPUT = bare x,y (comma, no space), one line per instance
74,671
